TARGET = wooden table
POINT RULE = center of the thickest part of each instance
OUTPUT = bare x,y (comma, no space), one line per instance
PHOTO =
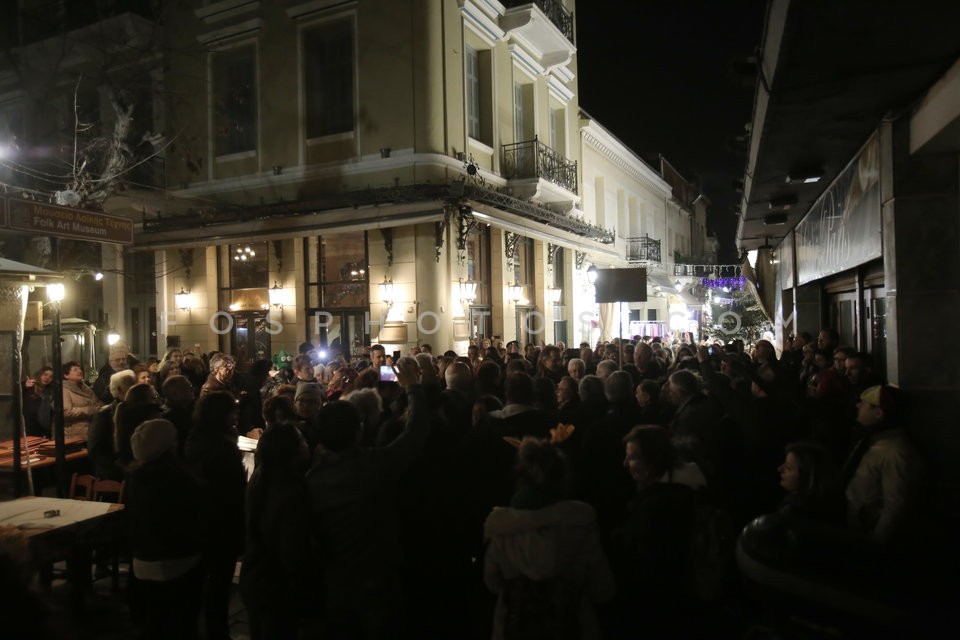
40,461
77,528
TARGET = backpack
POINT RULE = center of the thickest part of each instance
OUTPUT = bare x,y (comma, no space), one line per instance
711,550
541,609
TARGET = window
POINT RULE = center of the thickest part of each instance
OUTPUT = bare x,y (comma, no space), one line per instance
523,265
558,129
249,266
523,116
328,64
245,276
479,94
344,275
473,93
235,101
517,111
477,261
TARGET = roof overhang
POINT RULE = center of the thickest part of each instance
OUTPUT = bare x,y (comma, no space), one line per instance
829,74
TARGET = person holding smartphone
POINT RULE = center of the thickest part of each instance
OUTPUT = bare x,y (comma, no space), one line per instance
353,496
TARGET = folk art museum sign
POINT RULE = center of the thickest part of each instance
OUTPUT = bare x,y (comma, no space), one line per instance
37,218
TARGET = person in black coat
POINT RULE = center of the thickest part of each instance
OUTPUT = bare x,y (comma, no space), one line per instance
355,524
212,454
163,506
275,578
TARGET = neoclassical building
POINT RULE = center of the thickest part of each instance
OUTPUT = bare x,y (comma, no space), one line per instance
393,171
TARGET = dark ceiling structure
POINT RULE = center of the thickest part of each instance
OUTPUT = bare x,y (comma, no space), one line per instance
829,73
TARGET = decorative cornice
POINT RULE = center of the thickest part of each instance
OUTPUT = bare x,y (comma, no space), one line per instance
317,6
559,90
239,30
563,73
620,155
480,23
525,60
226,9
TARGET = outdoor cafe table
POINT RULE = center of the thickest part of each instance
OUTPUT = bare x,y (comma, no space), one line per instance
62,529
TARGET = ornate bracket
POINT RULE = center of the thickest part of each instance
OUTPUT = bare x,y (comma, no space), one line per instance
278,253
510,242
581,257
186,259
552,253
440,229
465,224
387,234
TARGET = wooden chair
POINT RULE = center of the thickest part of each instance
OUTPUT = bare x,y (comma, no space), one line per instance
81,486
111,491
108,491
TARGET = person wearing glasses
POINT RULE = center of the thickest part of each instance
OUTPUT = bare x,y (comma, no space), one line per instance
221,376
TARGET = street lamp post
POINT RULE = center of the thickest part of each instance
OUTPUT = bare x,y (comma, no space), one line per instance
55,293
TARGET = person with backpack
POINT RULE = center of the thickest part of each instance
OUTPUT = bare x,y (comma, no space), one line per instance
544,559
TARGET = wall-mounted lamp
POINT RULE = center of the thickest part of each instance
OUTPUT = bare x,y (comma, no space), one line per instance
554,294
98,275
113,338
276,295
678,286
56,292
592,274
468,291
386,291
515,293
182,300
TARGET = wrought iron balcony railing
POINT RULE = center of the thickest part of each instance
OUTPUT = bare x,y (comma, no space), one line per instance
643,249
694,270
553,9
533,159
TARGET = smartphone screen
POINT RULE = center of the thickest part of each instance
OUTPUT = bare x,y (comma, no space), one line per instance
396,356
387,374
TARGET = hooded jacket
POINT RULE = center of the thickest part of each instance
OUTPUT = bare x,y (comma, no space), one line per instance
560,540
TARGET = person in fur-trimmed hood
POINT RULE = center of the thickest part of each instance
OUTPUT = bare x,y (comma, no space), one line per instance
545,561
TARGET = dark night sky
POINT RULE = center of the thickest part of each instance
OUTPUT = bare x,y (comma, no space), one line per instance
658,74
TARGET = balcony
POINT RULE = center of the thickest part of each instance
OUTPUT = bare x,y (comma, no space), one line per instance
555,13
533,161
544,29
693,270
643,249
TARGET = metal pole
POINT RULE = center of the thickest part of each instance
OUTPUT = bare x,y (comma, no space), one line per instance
61,462
620,324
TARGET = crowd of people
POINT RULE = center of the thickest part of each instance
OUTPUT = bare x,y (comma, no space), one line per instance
577,485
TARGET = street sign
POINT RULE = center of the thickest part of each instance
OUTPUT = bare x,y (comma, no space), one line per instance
66,222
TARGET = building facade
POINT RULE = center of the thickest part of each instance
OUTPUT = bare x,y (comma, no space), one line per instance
393,171
852,202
